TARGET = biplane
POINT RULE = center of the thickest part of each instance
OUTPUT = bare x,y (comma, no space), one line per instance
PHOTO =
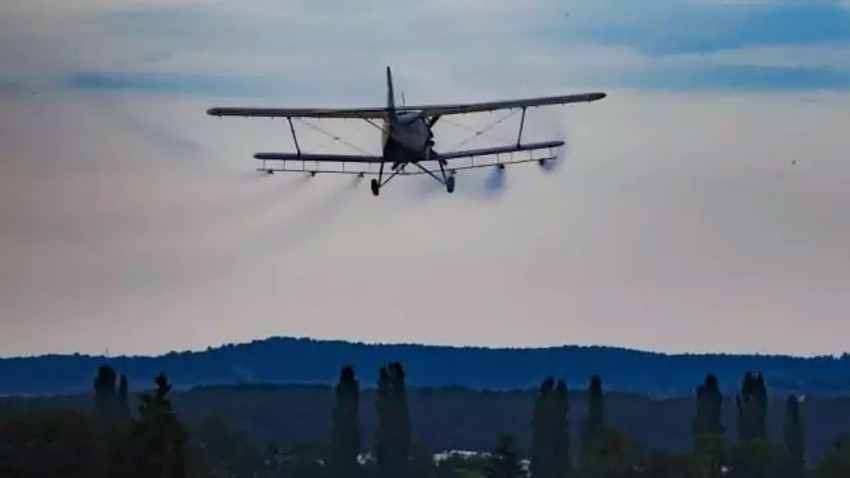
407,138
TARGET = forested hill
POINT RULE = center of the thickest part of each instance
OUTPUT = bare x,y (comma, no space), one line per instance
306,361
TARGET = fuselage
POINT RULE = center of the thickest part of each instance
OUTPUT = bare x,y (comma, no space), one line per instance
406,137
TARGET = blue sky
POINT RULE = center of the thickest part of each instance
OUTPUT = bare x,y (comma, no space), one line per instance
700,207
666,45
202,47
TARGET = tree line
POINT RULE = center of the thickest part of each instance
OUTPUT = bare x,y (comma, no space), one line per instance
112,441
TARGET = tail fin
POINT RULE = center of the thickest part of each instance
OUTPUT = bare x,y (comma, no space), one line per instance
390,93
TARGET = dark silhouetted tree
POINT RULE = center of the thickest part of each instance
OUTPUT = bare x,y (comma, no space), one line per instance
345,436
392,449
836,461
752,408
421,462
710,455
123,399
158,439
504,461
595,409
105,399
794,441
110,423
757,458
561,430
610,453
550,447
47,443
541,434
709,407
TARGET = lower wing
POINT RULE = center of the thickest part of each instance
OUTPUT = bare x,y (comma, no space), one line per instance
471,153
316,159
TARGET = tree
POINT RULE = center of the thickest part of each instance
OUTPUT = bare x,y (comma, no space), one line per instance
709,406
794,440
541,434
610,453
561,431
421,462
595,409
47,443
459,466
836,462
123,399
392,449
345,439
664,464
757,458
550,448
217,450
158,439
111,421
752,408
505,461
105,399
710,455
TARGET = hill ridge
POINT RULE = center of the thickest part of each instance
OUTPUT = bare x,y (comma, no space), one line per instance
281,360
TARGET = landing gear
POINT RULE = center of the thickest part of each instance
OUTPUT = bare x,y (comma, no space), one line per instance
376,188
448,179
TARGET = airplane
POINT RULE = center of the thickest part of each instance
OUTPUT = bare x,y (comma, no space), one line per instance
407,137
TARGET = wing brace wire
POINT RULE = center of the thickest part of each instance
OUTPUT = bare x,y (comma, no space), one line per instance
487,128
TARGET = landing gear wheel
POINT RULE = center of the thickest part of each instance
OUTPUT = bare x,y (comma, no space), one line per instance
375,187
450,184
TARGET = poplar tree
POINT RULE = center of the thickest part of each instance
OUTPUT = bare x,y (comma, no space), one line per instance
345,436
752,408
709,407
794,438
394,426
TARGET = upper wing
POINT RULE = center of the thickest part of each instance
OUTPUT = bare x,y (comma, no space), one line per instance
341,113
426,110
440,110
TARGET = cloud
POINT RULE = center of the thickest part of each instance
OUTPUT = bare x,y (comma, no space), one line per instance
737,78
180,84
836,58
663,29
280,50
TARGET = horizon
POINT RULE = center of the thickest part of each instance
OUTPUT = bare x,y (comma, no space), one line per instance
448,346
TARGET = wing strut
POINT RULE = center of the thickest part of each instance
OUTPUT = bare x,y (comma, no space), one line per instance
521,124
294,138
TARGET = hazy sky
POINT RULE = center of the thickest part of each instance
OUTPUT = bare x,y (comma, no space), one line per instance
702,206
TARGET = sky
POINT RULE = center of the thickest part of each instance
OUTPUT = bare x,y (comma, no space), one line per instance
701,207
